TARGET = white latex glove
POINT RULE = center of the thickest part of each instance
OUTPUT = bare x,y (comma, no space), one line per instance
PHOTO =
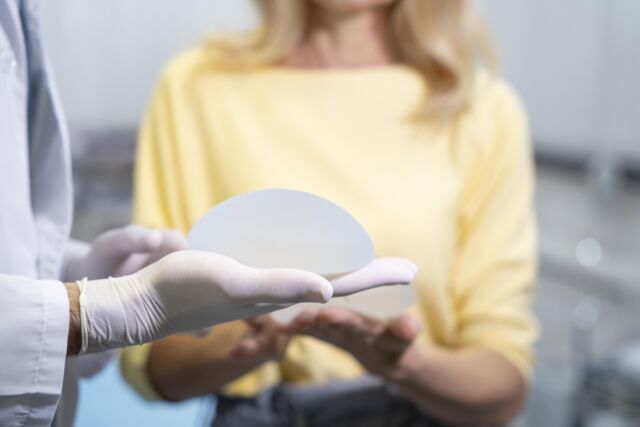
379,272
124,251
117,252
187,291
267,341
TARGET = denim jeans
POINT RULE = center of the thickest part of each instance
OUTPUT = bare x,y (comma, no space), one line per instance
365,402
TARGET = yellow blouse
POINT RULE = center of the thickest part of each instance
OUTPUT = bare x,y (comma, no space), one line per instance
456,199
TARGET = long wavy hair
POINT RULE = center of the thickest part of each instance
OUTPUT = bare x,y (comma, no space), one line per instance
445,40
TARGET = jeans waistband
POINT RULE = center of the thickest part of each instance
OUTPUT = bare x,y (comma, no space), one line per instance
355,403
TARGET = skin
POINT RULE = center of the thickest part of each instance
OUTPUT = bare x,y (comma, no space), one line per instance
184,366
345,34
73,339
445,383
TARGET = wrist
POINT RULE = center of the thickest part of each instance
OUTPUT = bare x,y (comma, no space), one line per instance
269,355
278,355
106,318
74,339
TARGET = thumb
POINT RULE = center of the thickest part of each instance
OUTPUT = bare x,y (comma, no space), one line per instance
288,286
170,241
404,327
128,240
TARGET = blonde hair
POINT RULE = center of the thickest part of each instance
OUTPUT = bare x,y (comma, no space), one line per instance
443,39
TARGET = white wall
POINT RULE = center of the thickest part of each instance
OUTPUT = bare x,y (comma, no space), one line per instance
575,62
108,53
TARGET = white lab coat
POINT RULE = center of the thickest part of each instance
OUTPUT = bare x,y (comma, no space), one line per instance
35,218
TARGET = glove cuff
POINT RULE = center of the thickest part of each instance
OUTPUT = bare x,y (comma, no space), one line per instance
84,319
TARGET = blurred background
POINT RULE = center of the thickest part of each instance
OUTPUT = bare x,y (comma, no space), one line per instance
575,63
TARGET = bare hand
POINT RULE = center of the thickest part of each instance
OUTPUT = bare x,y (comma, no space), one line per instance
377,344
266,340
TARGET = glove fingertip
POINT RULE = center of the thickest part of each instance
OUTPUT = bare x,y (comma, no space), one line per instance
413,266
288,286
175,240
318,289
326,291
405,271
152,240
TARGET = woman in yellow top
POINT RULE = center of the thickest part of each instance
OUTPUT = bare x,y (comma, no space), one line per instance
382,107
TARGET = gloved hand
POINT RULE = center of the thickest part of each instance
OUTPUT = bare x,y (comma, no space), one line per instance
379,272
267,340
124,251
187,291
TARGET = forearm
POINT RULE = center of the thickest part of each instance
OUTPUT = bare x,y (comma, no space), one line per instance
74,340
473,387
184,366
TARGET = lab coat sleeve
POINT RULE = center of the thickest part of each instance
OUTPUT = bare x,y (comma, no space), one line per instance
34,322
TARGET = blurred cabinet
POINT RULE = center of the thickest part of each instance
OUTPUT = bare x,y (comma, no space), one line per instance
576,63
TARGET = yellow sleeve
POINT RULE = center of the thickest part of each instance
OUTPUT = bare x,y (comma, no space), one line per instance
154,205
495,268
